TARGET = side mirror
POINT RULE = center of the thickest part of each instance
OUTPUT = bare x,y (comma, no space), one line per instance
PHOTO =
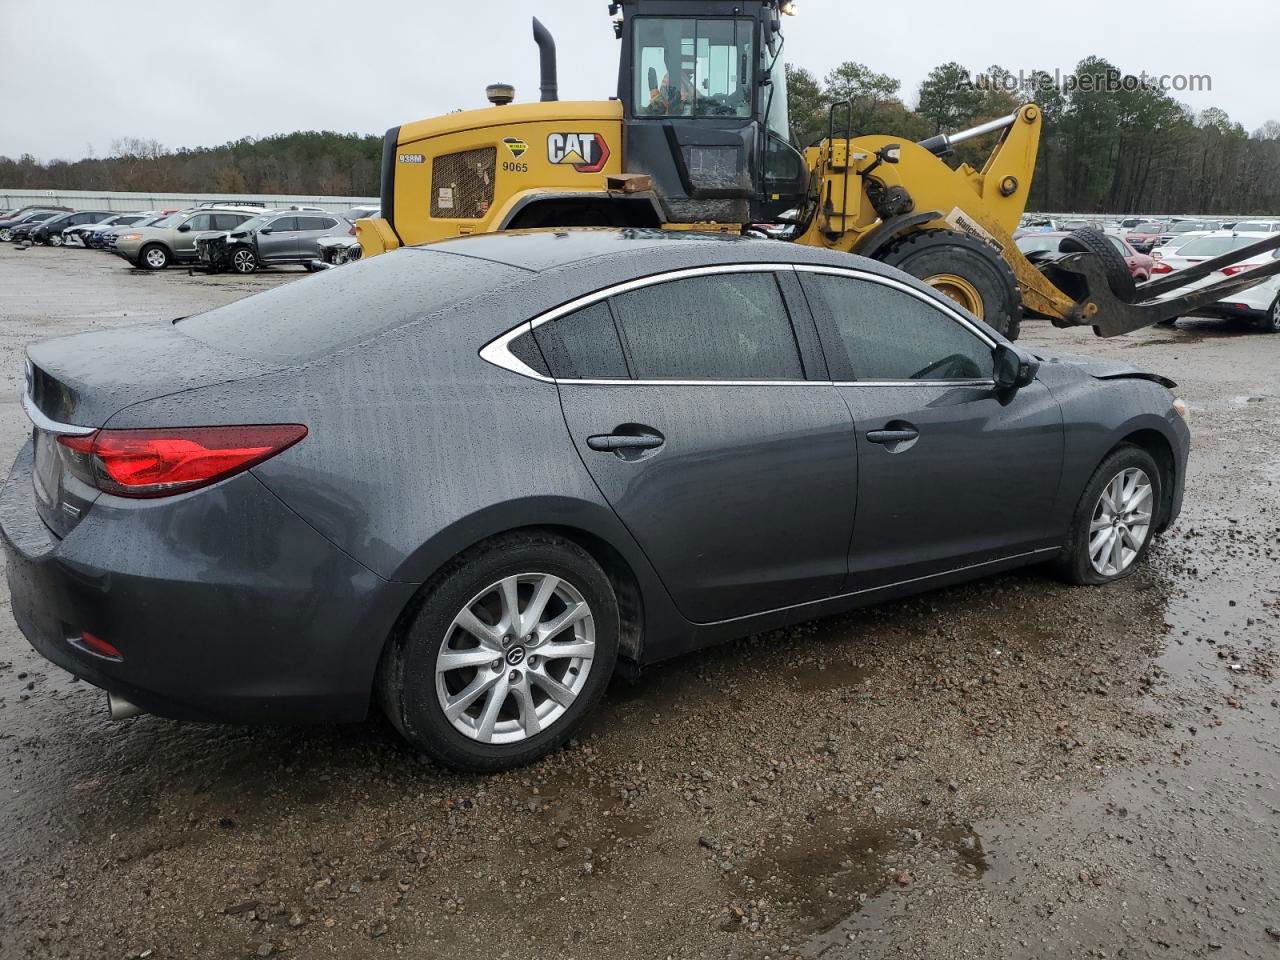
266,230
185,228
1013,368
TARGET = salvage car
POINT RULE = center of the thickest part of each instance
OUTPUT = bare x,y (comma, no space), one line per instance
466,481
173,238
19,228
23,214
272,239
1258,306
79,236
1139,264
50,231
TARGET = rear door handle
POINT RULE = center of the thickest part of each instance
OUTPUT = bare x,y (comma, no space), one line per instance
893,436
624,441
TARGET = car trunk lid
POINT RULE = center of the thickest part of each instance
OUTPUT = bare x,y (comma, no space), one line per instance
75,385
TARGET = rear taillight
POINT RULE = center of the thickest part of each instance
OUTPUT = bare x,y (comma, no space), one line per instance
161,462
1239,268
1161,267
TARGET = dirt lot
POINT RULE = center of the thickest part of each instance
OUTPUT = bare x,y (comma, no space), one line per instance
1009,769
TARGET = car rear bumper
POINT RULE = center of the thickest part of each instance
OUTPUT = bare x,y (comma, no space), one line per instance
224,603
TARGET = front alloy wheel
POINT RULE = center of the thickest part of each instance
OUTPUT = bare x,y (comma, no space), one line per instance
1121,523
55,239
6,235
243,261
515,658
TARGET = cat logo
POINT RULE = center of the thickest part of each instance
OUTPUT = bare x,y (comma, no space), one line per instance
516,146
585,152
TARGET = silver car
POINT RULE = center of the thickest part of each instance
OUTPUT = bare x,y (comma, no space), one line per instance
277,237
174,237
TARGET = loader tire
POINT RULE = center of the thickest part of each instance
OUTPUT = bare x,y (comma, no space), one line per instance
1119,277
964,270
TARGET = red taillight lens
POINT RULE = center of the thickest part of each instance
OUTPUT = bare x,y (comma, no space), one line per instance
161,462
1159,267
95,644
1238,268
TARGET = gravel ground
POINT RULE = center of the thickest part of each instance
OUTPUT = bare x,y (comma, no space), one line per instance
1013,768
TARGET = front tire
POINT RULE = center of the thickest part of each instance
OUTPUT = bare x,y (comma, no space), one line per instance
244,261
154,257
1115,520
55,239
964,270
512,645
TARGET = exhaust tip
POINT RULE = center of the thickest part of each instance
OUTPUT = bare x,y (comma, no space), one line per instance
118,708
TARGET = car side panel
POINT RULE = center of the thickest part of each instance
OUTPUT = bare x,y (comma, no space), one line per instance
405,465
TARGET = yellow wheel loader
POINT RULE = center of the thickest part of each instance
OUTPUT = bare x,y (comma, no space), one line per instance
698,139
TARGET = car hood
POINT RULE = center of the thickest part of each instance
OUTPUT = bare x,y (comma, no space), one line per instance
1101,368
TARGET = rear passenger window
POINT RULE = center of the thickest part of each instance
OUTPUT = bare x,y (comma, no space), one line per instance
583,345
731,326
314,223
875,332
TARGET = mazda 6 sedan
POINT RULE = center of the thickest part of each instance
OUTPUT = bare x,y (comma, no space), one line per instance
468,482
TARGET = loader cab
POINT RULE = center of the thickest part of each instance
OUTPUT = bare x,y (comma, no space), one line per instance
704,92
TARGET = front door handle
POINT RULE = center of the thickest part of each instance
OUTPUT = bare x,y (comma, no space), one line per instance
624,441
903,435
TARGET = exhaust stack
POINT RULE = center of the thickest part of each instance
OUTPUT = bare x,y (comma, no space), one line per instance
547,59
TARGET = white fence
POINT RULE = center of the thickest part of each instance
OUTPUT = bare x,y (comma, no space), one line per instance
102,200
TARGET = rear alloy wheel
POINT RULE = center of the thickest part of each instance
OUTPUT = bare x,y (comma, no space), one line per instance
964,270
154,257
6,235
513,644
1271,322
1115,519
55,239
243,261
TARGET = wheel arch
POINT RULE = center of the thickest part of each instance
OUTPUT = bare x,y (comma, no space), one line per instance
581,209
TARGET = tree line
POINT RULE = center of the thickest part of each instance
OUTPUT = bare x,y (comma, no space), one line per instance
1112,143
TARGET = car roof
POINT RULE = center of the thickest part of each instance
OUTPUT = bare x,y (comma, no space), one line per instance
646,250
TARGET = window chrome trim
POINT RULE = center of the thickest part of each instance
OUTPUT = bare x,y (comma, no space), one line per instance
50,425
498,352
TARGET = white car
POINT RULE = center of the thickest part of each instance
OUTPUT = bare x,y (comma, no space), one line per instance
1177,243
1259,304
1257,226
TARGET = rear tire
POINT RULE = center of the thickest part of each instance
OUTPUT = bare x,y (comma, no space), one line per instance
154,256
1119,277
413,685
964,270
1077,563
1271,322
55,239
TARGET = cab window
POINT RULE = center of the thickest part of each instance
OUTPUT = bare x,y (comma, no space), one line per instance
693,68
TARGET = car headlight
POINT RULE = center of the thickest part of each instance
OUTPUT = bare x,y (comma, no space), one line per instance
1180,408
132,236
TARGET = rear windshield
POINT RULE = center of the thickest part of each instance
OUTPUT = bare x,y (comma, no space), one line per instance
1254,226
1214,246
1035,244
1189,227
336,308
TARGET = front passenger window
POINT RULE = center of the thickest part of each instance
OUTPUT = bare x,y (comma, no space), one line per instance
876,332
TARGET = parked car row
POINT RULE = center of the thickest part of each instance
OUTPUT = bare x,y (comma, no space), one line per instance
215,236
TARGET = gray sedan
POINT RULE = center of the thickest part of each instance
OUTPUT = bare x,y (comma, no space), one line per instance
466,482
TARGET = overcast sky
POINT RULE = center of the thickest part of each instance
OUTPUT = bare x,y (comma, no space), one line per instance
79,73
